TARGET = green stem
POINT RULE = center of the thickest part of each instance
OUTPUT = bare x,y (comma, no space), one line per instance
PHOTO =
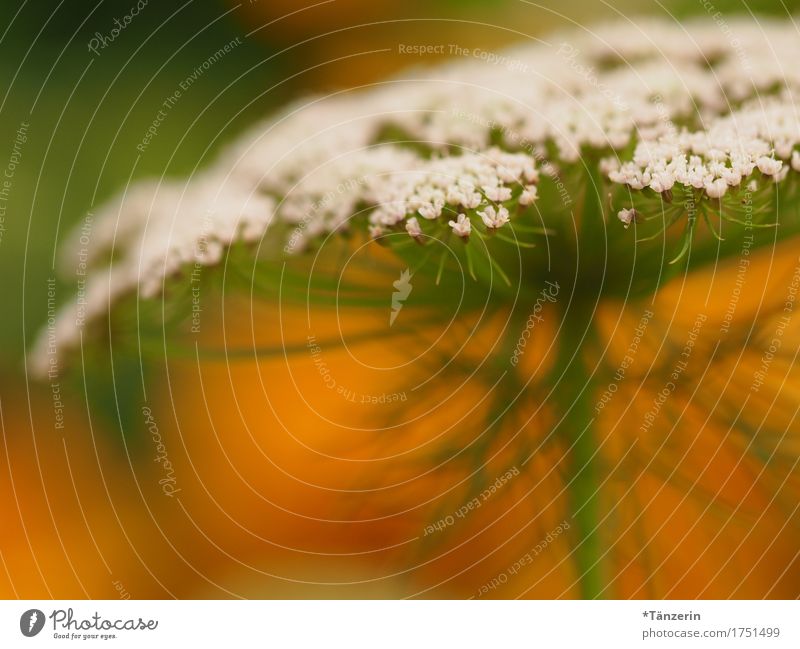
576,390
576,393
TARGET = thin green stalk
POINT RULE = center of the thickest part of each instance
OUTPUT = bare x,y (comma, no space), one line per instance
575,390
575,399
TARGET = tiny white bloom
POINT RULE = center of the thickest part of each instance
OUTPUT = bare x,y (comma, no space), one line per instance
796,160
635,183
716,188
430,211
627,217
662,182
529,195
462,227
412,227
376,231
455,196
506,175
769,166
530,173
498,194
732,176
472,200
494,218
608,165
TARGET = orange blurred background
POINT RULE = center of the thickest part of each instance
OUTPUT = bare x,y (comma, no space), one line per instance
276,501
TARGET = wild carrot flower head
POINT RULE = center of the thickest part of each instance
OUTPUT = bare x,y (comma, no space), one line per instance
655,109
603,166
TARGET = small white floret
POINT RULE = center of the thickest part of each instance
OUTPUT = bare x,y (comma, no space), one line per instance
412,227
529,195
769,166
462,227
494,219
716,188
627,217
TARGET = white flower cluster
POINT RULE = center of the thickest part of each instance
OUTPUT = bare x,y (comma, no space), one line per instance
418,148
464,182
146,225
761,137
